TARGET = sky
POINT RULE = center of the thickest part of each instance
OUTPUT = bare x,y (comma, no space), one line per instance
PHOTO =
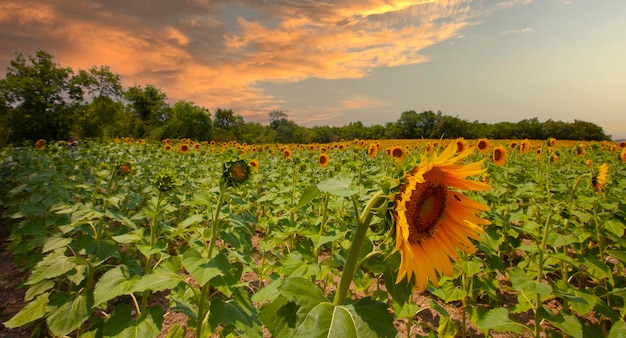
336,62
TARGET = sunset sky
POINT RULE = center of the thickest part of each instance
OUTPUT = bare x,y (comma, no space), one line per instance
336,62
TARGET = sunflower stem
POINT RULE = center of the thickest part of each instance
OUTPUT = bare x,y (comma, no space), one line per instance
363,222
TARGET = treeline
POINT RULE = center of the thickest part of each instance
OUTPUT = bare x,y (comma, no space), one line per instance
39,99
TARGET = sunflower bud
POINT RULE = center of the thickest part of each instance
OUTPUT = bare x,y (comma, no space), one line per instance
164,182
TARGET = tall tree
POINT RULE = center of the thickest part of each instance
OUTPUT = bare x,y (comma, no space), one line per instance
189,121
149,104
37,94
228,126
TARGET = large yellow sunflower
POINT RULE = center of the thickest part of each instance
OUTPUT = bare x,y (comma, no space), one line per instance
432,221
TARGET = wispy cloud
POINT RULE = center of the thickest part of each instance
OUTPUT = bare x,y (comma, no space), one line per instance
216,53
518,31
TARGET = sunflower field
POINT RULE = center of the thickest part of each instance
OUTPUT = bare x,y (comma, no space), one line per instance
362,238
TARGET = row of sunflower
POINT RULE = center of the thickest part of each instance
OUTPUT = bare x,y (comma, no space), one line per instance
354,233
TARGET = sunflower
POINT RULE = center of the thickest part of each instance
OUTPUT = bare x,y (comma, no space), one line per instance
622,144
579,150
236,172
599,179
323,160
397,152
429,148
40,144
622,155
432,220
525,147
184,148
287,153
197,146
513,145
254,164
483,145
372,150
551,141
588,163
461,145
499,155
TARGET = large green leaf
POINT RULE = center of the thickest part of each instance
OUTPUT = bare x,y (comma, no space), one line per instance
69,316
204,269
123,325
53,265
115,282
568,323
498,320
230,313
165,276
339,186
302,310
309,194
618,330
31,312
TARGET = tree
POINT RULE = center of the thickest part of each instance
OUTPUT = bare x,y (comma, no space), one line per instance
100,91
150,106
188,121
37,95
228,126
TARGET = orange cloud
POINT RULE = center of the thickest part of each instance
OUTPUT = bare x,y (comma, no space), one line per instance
217,56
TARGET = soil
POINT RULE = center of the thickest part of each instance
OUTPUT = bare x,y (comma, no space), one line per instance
427,320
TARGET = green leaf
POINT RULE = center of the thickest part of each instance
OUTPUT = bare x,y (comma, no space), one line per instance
193,219
302,292
615,226
37,289
69,316
308,195
279,316
176,331
56,242
336,186
521,282
448,291
565,322
618,330
115,282
620,255
123,325
408,310
596,268
203,269
165,276
31,312
231,313
447,327
268,293
53,265
498,320
365,318
134,236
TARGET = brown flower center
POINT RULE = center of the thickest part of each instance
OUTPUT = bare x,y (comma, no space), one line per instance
426,206
497,154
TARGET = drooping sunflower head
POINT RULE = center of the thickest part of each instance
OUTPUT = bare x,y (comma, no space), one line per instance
598,180
551,142
579,150
372,150
525,147
483,145
165,181
433,219
40,144
323,160
236,172
499,155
